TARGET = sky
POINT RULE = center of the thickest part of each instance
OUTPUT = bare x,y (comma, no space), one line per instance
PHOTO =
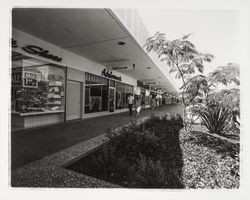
213,31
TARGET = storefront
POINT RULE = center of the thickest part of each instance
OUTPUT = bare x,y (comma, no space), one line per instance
46,93
96,93
37,91
144,93
104,94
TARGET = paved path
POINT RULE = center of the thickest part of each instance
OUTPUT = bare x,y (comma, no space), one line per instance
33,144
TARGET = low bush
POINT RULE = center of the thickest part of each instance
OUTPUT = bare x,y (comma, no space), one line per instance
215,118
164,125
146,155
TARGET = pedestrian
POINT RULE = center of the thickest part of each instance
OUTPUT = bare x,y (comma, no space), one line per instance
157,100
160,101
163,101
153,102
137,105
130,103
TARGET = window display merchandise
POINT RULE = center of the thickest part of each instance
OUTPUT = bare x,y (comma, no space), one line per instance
37,88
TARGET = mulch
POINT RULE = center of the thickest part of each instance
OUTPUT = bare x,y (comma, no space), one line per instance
209,162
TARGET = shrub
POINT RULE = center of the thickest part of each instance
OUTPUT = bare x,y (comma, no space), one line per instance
215,118
142,155
150,174
167,123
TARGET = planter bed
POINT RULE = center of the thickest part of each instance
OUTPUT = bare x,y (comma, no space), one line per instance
189,160
142,155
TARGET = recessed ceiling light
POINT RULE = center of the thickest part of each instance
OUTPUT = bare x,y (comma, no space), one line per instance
69,29
121,43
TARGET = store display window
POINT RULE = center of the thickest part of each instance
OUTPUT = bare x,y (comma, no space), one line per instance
37,86
96,93
147,97
122,93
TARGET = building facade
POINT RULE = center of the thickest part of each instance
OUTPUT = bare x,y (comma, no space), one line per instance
72,64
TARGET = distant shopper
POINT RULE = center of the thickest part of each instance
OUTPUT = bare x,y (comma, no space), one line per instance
157,100
163,101
130,103
160,101
153,102
137,105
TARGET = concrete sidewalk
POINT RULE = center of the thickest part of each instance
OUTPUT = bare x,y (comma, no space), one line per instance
33,144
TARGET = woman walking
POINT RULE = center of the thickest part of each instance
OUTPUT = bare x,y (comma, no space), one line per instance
137,105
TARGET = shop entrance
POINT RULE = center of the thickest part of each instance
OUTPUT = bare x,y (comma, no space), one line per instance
73,103
111,99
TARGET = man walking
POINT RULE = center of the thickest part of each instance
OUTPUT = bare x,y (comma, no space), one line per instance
130,103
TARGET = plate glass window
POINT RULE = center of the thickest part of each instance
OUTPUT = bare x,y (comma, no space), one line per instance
36,86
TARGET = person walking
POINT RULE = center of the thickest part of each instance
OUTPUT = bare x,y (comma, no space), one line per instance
130,103
137,105
153,102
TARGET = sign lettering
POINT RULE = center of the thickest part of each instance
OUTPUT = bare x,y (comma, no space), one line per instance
142,85
13,43
30,79
110,75
32,49
16,76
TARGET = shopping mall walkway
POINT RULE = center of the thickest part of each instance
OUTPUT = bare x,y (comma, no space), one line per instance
33,144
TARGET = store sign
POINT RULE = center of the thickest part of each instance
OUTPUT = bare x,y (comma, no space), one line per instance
130,66
109,74
13,43
32,49
41,52
142,85
137,90
151,82
30,79
16,76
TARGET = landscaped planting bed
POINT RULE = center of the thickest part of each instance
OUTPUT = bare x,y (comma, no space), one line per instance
156,154
141,155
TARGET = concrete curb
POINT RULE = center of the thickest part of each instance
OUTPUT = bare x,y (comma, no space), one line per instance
219,137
